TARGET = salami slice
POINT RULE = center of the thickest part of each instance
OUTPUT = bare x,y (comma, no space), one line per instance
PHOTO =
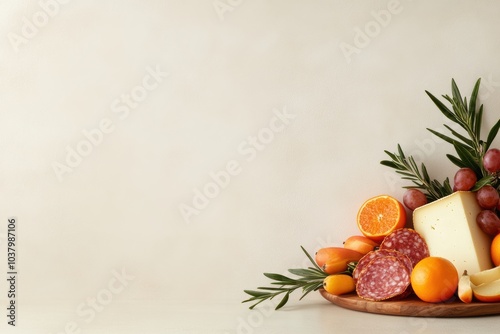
408,242
383,278
363,262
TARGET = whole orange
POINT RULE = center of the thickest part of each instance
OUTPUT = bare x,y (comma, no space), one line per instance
495,250
434,279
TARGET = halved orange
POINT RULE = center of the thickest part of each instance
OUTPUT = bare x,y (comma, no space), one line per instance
379,216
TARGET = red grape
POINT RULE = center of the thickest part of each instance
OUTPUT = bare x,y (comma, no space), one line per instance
488,222
487,197
491,160
413,198
465,179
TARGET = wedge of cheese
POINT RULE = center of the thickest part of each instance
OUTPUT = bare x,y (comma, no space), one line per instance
449,227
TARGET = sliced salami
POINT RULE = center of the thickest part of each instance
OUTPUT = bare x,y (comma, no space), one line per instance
363,262
383,278
408,242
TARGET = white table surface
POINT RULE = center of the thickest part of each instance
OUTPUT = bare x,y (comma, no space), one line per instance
311,315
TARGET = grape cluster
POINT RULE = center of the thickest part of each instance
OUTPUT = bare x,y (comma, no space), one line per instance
488,197
465,179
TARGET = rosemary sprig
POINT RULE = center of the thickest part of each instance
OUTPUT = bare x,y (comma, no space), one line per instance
469,147
407,167
310,279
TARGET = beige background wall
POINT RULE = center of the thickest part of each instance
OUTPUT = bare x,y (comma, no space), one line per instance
115,114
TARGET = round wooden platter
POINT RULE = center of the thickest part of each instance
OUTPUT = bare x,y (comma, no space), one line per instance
413,307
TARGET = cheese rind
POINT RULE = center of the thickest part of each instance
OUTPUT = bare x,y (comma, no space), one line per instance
449,227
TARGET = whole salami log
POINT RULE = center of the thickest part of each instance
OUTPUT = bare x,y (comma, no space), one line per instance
363,262
383,278
408,242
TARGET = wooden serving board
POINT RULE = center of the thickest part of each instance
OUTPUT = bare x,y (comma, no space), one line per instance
413,307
